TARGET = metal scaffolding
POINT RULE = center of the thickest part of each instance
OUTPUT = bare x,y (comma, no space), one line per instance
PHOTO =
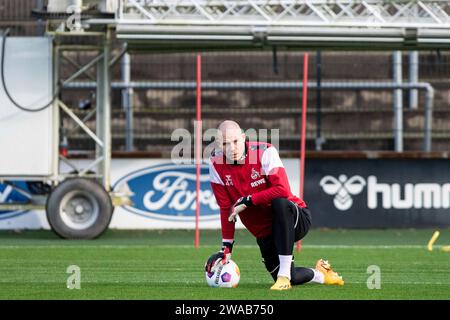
182,24
289,23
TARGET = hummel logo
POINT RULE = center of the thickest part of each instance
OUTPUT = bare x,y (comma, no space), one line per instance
342,189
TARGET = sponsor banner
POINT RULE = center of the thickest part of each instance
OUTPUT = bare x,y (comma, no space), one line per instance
379,193
163,197
20,219
348,193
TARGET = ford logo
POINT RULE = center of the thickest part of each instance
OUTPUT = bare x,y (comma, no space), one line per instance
167,192
10,195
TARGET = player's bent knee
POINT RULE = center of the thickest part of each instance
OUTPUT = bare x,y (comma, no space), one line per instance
280,207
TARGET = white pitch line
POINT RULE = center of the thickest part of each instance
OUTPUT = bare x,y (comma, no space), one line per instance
403,282
311,246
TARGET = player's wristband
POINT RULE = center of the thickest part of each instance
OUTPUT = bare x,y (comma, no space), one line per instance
248,201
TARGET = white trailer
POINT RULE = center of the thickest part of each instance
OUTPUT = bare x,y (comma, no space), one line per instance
78,202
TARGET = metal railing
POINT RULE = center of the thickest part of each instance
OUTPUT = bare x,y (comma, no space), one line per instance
287,85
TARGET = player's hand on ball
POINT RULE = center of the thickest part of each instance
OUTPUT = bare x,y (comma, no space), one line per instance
221,257
214,260
240,205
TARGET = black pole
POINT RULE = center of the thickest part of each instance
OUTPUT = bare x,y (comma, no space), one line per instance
274,60
40,27
319,140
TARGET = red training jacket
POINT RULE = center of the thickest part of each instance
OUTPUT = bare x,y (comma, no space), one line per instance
260,174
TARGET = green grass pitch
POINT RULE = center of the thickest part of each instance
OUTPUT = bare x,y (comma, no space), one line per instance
165,265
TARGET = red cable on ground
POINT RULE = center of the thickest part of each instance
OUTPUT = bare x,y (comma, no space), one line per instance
303,131
198,148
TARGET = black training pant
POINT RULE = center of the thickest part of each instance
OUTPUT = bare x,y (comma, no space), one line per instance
290,223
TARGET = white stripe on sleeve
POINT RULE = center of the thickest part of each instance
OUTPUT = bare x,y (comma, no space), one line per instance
214,175
270,160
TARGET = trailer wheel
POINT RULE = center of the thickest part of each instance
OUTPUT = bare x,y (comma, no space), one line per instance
79,209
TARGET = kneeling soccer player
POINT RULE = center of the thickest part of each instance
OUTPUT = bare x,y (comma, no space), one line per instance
248,179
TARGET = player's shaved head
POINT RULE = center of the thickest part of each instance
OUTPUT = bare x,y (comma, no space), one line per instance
231,139
229,125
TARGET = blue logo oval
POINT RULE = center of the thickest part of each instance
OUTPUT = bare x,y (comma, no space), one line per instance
168,192
10,195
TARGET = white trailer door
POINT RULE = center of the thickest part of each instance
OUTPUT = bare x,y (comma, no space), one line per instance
26,137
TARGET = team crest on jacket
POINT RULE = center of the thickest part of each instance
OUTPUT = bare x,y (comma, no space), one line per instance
228,180
255,174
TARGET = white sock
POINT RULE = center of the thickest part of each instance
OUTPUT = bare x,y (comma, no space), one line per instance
318,277
285,266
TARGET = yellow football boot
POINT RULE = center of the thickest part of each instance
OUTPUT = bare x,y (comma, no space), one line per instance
330,277
283,283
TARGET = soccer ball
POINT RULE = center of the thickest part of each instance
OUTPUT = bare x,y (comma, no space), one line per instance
226,276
